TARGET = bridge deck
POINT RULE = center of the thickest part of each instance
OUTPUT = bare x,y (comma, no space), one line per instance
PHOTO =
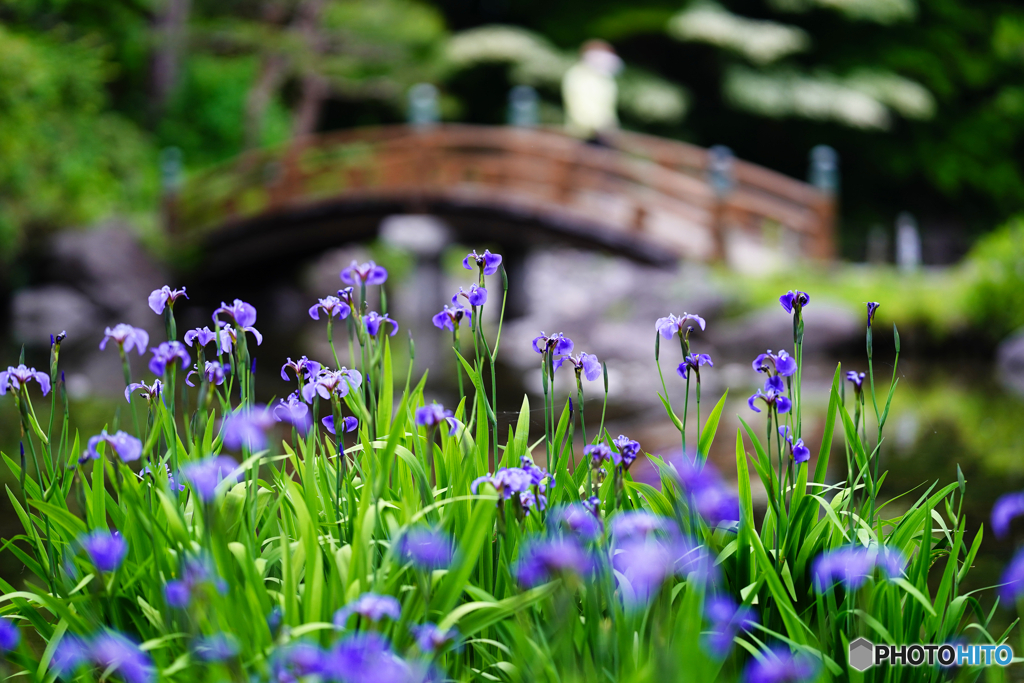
647,196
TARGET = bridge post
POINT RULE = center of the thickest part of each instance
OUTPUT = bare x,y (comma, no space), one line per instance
522,107
721,177
170,184
423,108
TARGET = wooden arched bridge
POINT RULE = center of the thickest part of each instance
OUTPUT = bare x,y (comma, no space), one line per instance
646,197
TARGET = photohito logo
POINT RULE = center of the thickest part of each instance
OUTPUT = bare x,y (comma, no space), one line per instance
864,654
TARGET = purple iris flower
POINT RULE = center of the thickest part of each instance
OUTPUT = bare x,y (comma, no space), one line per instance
205,475
365,658
303,368
557,344
10,636
370,606
477,296
628,449
364,273
106,550
598,453
726,619
332,383
1005,510
243,315
645,564
374,321
586,363
177,594
774,383
213,373
794,299
161,298
506,481
693,362
450,317
487,261
71,652
431,415
216,648
295,661
247,427
543,560
857,379
780,666
126,337
430,638
149,392
782,363
18,377
1012,579
166,353
228,336
713,500
426,548
636,523
852,565
771,398
676,324
577,520
126,446
204,335
195,575
332,306
114,652
348,424
293,411
797,449
171,484
872,307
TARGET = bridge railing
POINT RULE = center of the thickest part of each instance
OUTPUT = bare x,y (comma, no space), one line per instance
637,189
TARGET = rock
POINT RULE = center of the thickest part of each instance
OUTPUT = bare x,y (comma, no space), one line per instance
1010,362
42,311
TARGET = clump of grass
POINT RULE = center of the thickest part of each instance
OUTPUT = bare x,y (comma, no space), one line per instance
353,530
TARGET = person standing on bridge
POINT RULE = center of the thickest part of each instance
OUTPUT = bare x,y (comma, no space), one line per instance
589,92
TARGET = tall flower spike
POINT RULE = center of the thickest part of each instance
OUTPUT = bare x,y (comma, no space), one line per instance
374,321
477,296
872,307
693,362
106,550
487,261
205,475
159,299
165,354
364,273
149,392
124,445
127,337
794,299
782,363
558,344
586,363
213,373
303,368
676,324
772,398
450,317
17,377
332,306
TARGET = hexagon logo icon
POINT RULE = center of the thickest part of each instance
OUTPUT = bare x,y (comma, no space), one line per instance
862,654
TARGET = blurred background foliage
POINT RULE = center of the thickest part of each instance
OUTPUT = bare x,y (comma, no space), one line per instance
922,98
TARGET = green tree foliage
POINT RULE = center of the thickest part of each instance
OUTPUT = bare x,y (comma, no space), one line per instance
65,157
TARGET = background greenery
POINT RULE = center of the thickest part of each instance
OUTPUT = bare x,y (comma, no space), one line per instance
922,98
